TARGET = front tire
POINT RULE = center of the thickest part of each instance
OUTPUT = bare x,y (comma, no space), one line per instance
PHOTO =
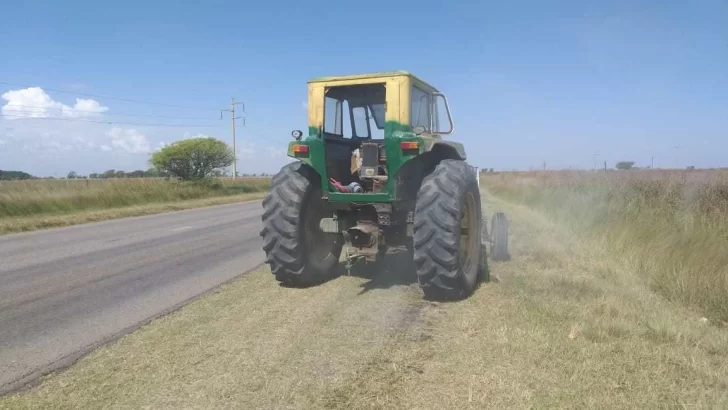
499,225
298,252
447,232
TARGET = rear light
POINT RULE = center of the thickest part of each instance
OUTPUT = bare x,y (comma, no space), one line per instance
300,149
410,146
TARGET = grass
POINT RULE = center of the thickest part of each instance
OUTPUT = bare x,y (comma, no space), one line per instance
565,324
671,228
36,204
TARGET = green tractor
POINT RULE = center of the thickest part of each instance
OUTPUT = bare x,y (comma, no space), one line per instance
374,173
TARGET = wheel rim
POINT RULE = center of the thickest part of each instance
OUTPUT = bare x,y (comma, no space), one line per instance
468,249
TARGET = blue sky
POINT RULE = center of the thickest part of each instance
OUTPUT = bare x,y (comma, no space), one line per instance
527,81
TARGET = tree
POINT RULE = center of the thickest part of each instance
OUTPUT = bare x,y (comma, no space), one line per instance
194,158
624,165
13,175
72,175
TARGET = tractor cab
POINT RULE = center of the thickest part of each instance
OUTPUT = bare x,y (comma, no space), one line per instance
364,128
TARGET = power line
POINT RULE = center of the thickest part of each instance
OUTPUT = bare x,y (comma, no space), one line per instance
105,122
99,113
111,98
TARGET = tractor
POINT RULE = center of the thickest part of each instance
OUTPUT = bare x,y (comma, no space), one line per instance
374,172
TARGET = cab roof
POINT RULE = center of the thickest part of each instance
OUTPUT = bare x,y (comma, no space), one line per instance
369,75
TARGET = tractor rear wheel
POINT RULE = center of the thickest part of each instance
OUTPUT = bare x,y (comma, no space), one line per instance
298,251
447,232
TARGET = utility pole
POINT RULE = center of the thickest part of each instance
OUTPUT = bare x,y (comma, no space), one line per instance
233,103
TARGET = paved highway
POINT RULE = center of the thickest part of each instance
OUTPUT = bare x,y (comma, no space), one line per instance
65,291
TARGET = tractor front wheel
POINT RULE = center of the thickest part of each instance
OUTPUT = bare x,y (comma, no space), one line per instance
447,232
298,251
499,249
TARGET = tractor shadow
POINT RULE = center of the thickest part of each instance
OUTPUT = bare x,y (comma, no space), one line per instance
394,269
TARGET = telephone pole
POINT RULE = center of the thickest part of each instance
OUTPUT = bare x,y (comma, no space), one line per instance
233,103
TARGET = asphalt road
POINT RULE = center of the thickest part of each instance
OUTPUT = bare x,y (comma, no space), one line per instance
65,291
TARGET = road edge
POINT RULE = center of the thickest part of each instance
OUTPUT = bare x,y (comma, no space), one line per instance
255,198
35,378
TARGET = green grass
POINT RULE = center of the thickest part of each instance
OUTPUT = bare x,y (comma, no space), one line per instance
670,228
34,204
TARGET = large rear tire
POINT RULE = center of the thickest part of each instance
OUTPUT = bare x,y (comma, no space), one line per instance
447,232
298,251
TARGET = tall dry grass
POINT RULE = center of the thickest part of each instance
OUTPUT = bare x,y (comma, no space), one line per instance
670,227
60,197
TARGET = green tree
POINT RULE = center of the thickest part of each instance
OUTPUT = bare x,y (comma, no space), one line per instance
624,165
194,158
12,175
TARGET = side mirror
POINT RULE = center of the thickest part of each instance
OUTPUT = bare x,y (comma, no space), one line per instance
297,134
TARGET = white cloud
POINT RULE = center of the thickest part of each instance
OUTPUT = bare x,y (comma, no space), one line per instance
105,148
129,140
33,102
85,107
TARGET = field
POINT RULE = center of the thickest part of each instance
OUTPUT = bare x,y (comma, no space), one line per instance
611,301
34,204
669,227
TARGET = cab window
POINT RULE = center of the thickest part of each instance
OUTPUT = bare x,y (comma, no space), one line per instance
420,108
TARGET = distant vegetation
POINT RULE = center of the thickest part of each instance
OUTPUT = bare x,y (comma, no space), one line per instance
34,204
624,165
14,175
195,158
46,197
186,174
670,227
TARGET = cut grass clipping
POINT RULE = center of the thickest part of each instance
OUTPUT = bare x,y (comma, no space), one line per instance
563,325
35,204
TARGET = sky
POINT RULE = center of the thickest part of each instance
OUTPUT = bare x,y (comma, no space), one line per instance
560,83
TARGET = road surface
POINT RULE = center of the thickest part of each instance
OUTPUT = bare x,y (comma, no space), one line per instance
65,291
